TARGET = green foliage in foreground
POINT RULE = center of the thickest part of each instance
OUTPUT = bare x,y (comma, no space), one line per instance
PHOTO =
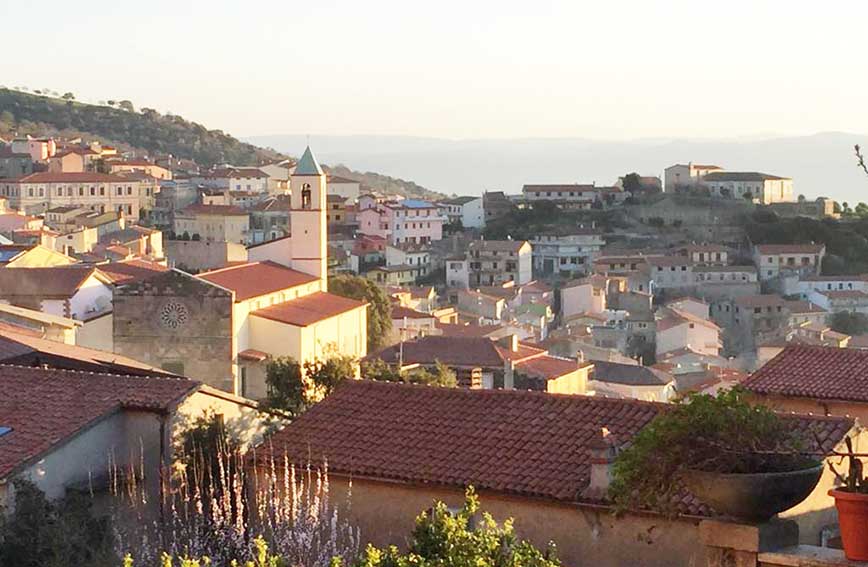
720,434
40,533
467,538
464,539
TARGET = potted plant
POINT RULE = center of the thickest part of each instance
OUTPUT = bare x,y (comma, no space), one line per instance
851,501
742,460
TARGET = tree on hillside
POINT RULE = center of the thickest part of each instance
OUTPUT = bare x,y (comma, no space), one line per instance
849,322
632,183
379,308
68,96
126,105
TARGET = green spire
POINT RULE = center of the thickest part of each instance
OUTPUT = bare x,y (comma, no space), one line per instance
307,165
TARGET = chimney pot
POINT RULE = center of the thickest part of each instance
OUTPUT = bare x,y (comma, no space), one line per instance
602,453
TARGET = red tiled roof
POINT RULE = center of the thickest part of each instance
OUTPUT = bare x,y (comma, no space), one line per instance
399,312
220,210
129,271
827,373
309,309
548,367
845,294
522,443
45,407
790,248
256,278
457,330
253,354
52,282
69,177
770,300
19,347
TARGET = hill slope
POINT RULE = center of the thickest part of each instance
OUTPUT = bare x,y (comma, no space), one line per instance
148,131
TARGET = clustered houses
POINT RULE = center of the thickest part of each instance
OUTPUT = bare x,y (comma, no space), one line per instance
107,327
575,196
494,262
38,192
401,221
468,211
569,254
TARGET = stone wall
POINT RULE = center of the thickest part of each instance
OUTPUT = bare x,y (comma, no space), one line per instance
179,323
193,255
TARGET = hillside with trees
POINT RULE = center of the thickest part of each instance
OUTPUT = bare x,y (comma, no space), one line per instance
146,131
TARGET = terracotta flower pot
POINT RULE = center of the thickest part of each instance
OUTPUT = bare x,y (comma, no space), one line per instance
853,520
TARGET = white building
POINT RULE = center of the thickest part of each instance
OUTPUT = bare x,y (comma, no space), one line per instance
409,254
772,260
570,253
457,274
467,210
494,262
585,296
759,187
347,188
689,175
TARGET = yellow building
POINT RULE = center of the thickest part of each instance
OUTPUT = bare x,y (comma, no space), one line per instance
223,326
213,223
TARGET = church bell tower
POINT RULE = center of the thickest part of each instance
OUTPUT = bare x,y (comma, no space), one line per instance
307,215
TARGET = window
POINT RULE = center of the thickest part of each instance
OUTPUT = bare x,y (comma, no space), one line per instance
305,196
243,382
92,191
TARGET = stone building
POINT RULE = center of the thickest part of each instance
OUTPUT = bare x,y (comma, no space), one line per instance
223,326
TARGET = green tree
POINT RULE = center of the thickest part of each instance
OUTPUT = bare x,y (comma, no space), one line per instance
632,183
378,369
379,308
40,533
443,539
286,388
440,375
849,322
68,96
325,375
126,105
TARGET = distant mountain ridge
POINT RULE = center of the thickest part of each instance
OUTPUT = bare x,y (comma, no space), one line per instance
820,165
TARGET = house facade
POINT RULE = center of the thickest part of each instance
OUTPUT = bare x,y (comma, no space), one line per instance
494,262
100,192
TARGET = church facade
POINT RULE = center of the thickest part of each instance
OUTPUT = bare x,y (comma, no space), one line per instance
223,326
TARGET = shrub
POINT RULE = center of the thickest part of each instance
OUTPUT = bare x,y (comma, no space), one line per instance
443,539
719,434
41,533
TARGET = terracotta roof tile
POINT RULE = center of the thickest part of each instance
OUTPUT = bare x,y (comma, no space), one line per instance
309,309
790,248
256,278
44,407
399,312
803,371
19,347
522,443
129,271
54,282
548,367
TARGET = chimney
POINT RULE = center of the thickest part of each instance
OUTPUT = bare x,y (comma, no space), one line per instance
602,451
508,374
509,341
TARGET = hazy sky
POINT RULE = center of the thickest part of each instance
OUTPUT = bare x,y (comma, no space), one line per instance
458,69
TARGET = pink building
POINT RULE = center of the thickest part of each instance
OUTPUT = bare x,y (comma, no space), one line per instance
408,220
